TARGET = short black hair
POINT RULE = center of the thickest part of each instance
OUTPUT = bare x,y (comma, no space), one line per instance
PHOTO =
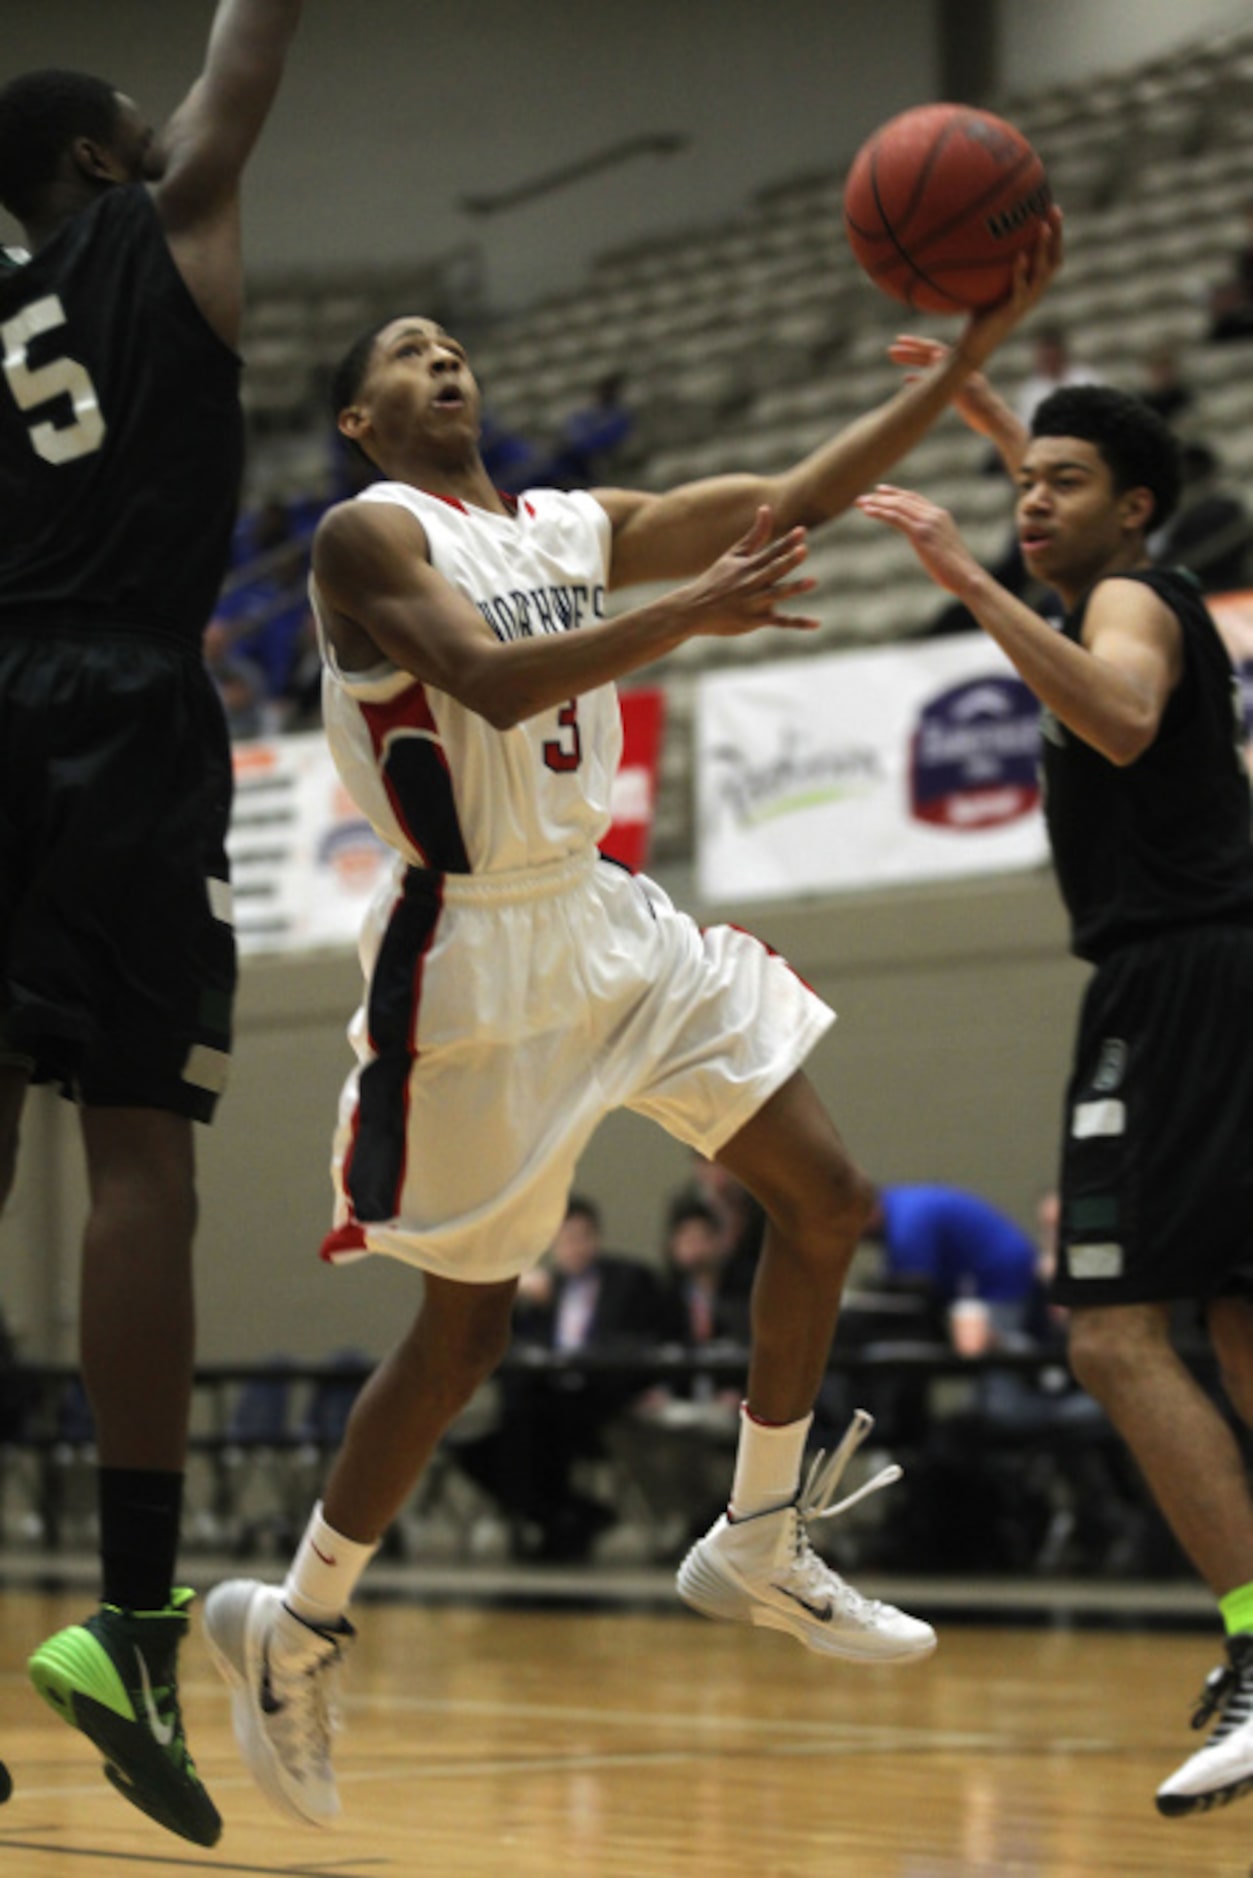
1138,447
350,374
579,1206
41,114
346,382
687,1208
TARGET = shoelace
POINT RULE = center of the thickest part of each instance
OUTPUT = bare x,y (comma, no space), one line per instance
302,1683
1231,1690
817,1501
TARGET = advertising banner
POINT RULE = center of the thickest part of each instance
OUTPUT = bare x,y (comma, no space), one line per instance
859,769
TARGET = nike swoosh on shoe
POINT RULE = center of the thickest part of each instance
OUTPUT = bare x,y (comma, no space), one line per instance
163,1732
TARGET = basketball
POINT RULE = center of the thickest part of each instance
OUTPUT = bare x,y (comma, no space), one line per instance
938,204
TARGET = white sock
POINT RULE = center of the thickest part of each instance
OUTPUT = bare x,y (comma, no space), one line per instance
767,1464
324,1573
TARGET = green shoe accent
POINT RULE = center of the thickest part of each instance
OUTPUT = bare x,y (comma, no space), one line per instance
114,1677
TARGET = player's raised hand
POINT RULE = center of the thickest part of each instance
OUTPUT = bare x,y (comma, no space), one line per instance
1033,270
930,531
745,587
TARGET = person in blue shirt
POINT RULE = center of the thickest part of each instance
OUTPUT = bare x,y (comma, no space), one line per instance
959,1244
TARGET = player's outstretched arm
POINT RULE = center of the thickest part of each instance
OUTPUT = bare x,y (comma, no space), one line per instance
206,143
668,537
977,402
382,596
1112,689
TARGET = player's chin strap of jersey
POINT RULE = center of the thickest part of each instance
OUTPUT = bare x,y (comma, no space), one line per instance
816,1499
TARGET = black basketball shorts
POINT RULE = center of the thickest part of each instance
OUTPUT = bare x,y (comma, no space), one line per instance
1157,1156
115,913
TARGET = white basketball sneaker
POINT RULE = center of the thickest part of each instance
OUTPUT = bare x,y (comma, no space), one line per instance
763,1570
1223,1769
281,1671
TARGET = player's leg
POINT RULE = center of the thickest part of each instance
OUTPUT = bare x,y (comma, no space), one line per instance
1123,1356
757,1563
791,1158
1222,1769
114,1676
280,1648
14,1081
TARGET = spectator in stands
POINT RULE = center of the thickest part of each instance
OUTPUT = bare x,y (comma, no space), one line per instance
957,1246
1165,390
741,1226
510,459
677,1437
1211,531
267,605
697,1308
239,682
1053,365
581,1299
592,438
1231,303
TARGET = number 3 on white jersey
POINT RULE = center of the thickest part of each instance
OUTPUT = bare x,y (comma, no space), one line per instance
30,387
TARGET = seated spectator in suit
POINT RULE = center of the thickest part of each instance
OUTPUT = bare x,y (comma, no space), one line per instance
676,1439
582,1298
741,1227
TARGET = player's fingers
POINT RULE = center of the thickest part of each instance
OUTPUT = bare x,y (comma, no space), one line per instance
775,559
795,622
757,533
910,349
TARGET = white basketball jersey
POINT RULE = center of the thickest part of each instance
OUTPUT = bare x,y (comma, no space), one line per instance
436,780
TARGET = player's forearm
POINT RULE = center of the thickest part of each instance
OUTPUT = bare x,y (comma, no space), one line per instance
513,681
1100,704
219,122
829,481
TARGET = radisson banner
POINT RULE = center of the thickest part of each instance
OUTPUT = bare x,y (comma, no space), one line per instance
860,769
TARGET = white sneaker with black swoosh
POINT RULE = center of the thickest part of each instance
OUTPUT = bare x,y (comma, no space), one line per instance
763,1570
282,1672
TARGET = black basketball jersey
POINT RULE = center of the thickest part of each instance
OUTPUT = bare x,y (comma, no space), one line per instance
1163,842
121,435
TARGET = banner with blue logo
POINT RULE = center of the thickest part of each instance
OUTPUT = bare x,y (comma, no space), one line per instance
862,769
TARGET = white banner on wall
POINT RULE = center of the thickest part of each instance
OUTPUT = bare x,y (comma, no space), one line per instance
858,769
304,860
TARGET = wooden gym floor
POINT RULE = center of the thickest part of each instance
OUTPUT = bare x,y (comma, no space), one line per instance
625,1744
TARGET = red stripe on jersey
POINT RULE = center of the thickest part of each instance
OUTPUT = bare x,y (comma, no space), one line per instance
411,710
346,1242
774,955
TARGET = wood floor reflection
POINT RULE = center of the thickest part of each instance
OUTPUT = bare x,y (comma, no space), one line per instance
625,1746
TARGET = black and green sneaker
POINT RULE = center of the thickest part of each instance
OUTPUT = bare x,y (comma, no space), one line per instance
113,1677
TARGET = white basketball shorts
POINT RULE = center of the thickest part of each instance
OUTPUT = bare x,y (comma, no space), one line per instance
504,1017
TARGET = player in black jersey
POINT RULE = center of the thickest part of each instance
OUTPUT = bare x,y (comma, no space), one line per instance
120,460
1148,813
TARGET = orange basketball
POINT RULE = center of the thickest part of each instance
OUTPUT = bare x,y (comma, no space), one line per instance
940,201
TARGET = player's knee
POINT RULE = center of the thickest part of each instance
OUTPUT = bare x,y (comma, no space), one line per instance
455,1358
1103,1350
8,1164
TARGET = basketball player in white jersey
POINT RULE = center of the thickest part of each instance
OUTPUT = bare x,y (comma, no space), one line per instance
519,987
